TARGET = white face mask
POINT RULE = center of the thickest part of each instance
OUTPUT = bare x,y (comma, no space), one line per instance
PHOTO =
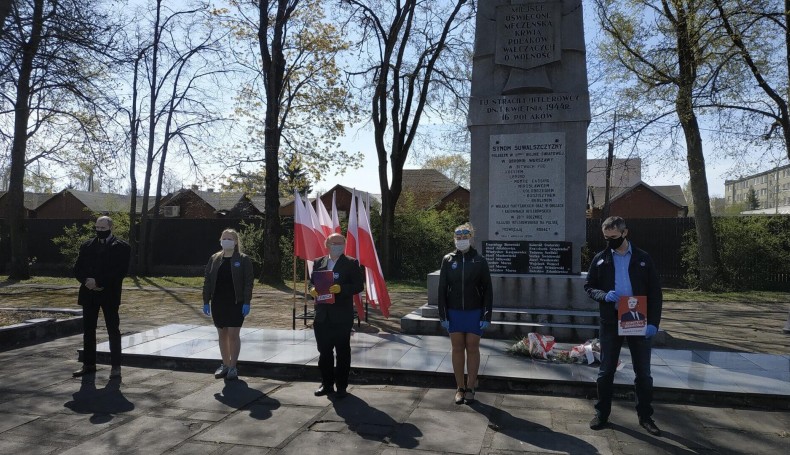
462,244
227,244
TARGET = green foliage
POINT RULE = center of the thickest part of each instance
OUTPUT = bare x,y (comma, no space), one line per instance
251,233
422,237
753,251
75,235
752,203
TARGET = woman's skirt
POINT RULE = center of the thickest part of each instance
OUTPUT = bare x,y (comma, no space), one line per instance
226,314
466,321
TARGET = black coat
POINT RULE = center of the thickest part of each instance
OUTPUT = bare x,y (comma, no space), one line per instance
465,284
107,264
644,281
348,274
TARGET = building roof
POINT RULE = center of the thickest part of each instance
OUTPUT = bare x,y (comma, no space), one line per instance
672,193
759,174
429,180
219,201
32,200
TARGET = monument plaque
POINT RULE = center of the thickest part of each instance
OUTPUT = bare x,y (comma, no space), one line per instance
549,258
529,34
527,187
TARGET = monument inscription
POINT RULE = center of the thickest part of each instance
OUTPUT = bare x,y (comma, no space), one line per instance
527,187
536,108
528,34
523,257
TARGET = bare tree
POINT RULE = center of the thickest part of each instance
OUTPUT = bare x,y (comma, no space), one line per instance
408,44
182,64
5,10
668,57
53,55
298,86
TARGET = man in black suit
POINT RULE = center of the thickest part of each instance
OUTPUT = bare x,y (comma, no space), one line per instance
101,265
632,314
334,321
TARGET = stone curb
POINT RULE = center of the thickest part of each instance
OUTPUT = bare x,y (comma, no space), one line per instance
41,329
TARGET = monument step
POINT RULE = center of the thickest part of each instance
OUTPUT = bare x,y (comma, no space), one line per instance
416,323
526,314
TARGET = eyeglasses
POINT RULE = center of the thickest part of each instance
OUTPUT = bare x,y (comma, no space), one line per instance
463,232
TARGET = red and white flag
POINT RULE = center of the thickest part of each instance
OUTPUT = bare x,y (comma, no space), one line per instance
316,225
352,245
335,218
376,287
306,244
323,217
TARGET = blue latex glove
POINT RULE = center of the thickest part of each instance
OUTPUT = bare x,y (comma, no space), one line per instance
612,296
206,309
446,325
245,309
651,331
484,325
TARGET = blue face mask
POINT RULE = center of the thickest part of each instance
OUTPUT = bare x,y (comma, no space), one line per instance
336,250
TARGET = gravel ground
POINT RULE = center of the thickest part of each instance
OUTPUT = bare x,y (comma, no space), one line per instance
715,326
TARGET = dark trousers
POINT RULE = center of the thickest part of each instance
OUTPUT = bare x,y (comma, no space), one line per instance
640,357
90,318
329,337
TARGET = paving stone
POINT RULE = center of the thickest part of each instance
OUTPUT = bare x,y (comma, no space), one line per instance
246,450
207,416
329,425
300,393
260,426
221,397
201,448
144,435
522,418
330,444
444,399
444,431
727,441
381,407
548,402
9,421
16,447
758,421
397,451
549,442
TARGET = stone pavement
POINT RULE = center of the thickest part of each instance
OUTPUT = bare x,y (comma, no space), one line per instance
151,411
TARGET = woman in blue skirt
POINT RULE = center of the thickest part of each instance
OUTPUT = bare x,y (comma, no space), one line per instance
465,303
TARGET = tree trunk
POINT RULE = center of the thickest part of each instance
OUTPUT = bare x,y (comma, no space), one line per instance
134,129
20,266
684,102
5,10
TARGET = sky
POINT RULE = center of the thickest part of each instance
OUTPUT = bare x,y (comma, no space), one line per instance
360,138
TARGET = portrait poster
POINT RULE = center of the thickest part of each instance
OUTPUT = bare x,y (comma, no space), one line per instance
323,280
632,315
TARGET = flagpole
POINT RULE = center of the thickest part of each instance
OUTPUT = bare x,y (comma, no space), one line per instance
293,306
305,294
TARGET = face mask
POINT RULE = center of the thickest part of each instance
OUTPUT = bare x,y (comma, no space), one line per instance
462,244
227,244
336,250
101,235
615,243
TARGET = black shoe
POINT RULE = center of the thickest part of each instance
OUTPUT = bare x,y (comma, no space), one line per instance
650,426
86,369
323,390
115,372
341,393
597,423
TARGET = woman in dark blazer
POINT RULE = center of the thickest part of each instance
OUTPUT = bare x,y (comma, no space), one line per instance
227,292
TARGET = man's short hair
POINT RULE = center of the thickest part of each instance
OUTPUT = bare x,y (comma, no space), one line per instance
105,217
614,222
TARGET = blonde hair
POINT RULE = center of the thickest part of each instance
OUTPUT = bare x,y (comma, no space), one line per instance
236,238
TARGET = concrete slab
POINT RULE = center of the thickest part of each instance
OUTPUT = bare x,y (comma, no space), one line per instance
223,396
330,443
249,428
442,431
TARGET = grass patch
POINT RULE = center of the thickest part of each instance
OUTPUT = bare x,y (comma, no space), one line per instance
687,295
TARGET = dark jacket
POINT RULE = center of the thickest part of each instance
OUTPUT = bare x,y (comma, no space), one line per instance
644,281
240,271
465,284
348,274
107,264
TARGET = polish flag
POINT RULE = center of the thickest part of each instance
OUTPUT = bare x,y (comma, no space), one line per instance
335,219
316,225
306,244
323,217
376,287
352,245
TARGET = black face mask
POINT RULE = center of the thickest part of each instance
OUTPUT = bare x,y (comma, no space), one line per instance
102,235
615,243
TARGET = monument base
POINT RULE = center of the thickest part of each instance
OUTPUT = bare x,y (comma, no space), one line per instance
548,304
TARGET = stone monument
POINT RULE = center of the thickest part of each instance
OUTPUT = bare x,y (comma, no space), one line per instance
528,117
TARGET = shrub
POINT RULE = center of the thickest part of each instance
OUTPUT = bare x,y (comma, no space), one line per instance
75,235
422,237
754,251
